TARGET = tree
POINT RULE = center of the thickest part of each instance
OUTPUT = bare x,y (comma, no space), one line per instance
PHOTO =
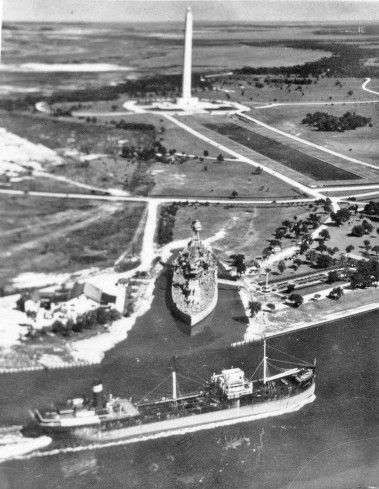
281,266
234,194
333,276
342,215
375,249
220,158
206,153
239,263
367,244
290,288
349,249
324,234
358,230
311,255
368,227
296,299
254,307
336,293
324,261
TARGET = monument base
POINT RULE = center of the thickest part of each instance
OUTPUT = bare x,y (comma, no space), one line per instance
187,102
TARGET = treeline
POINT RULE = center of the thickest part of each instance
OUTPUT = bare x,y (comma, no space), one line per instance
160,86
166,223
326,122
345,61
88,320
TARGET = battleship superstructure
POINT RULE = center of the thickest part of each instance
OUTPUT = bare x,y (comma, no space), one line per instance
194,291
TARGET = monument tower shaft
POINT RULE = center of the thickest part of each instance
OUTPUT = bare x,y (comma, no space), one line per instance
187,61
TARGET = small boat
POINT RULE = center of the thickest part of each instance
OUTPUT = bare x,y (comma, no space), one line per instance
228,397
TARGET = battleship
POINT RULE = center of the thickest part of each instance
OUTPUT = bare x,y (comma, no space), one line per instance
194,291
227,398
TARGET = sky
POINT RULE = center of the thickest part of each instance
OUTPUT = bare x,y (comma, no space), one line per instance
207,10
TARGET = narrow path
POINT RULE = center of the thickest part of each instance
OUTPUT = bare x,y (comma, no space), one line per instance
364,87
305,141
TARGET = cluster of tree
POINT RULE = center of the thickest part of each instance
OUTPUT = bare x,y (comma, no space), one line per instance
289,81
336,293
145,153
372,209
96,317
341,216
321,260
296,300
365,275
133,126
166,223
361,229
326,122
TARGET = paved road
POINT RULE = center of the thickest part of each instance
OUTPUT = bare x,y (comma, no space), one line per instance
351,187
308,143
341,102
364,87
159,200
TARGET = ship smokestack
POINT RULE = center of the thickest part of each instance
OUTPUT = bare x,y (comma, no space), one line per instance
97,391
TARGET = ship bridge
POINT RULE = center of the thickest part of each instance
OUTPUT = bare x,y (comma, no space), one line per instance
233,383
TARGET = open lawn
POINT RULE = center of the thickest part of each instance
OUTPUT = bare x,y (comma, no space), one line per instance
247,229
243,88
311,312
50,235
341,238
213,179
360,143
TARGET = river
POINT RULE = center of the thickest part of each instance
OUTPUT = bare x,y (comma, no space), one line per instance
329,443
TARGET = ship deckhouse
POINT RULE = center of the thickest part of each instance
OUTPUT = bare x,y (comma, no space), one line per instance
233,383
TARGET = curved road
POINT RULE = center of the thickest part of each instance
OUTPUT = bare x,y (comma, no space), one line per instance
366,82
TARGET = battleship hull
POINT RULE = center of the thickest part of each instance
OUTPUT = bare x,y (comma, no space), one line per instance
197,422
191,318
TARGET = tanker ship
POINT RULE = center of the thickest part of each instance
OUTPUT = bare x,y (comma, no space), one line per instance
194,291
228,397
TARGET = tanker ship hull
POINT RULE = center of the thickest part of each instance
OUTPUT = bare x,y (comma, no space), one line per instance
197,422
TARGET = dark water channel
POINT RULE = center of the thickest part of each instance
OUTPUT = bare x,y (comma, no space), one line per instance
336,433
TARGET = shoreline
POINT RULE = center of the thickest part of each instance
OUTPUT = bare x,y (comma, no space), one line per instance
330,318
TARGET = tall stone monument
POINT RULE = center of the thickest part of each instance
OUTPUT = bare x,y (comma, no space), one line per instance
1,25
186,100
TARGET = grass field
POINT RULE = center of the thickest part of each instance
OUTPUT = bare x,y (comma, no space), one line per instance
286,155
244,90
360,143
50,235
219,180
247,229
